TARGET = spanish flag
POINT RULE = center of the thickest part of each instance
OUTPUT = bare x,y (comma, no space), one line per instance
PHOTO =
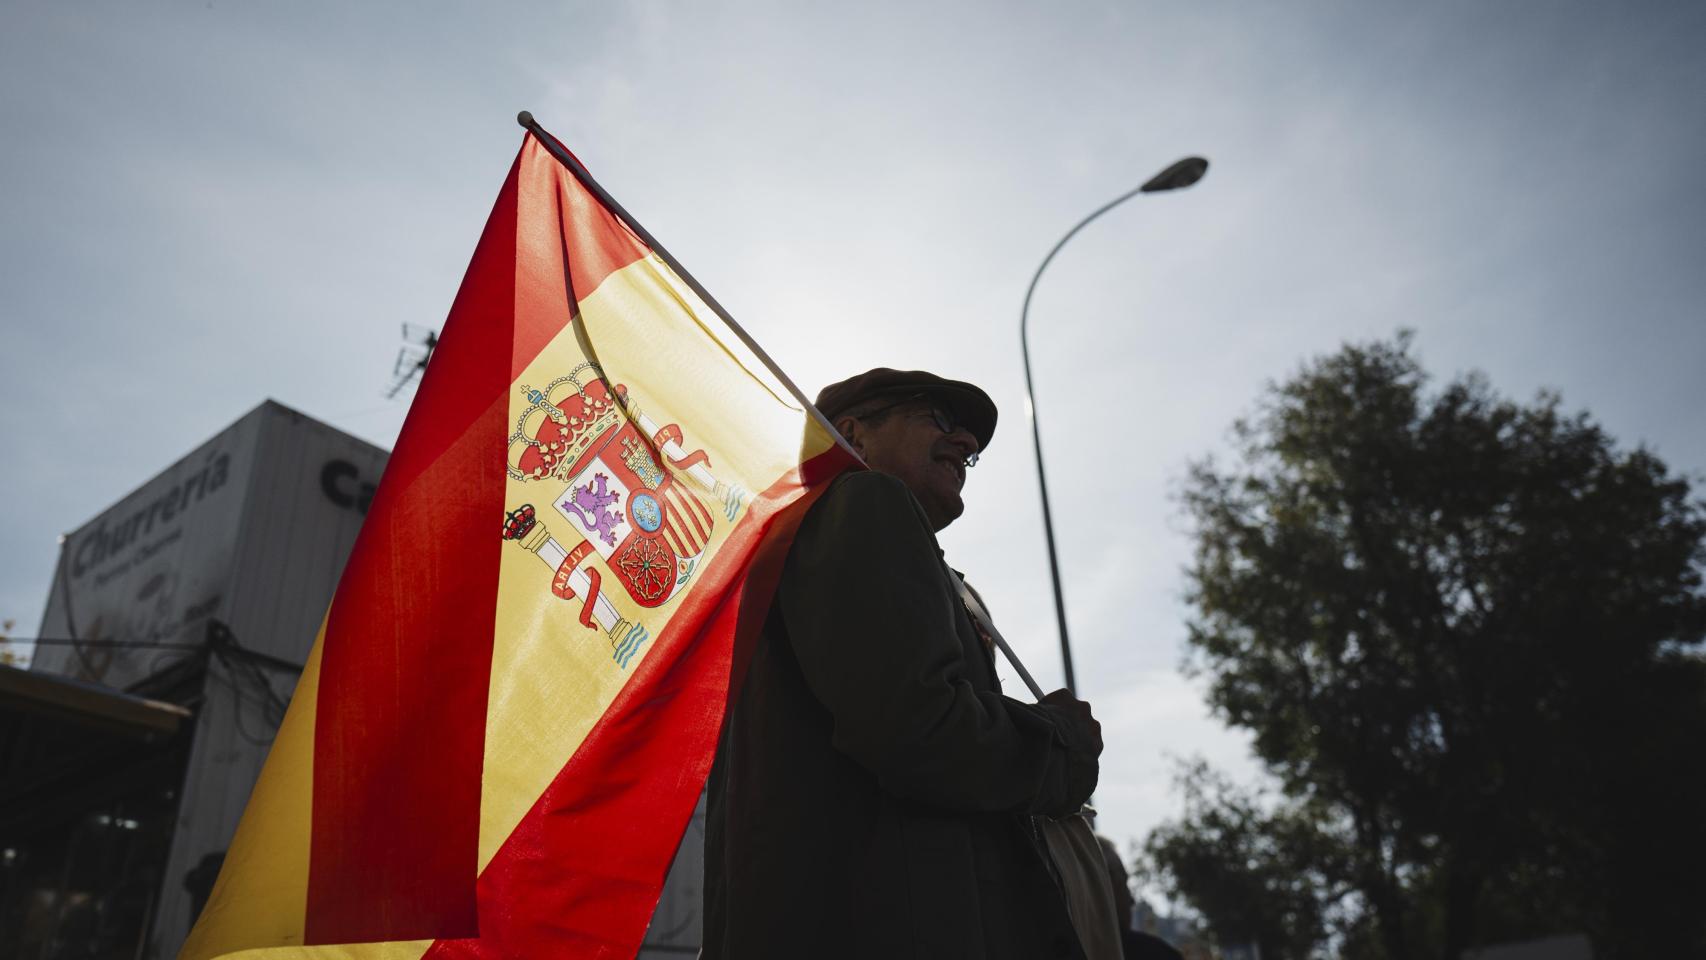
514,699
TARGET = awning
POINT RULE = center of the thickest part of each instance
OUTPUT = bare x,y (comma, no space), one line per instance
79,701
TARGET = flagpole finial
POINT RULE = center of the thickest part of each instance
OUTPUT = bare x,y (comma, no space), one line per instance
525,118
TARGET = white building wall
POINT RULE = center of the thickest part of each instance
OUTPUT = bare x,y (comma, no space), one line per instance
151,568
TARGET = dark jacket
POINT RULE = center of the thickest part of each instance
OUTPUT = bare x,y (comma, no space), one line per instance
872,789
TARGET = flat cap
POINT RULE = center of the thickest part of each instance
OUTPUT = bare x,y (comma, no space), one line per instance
971,407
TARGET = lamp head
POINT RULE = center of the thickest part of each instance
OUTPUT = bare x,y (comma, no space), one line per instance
1179,175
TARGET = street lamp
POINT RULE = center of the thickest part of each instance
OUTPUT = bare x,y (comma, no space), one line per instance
1179,175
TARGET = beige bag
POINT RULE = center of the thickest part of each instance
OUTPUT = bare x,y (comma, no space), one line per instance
1084,877
1071,843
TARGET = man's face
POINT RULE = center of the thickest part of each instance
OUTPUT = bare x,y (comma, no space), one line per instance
907,441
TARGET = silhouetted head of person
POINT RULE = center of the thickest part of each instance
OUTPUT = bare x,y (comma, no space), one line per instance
917,427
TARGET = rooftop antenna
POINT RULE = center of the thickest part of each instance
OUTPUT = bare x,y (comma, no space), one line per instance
412,357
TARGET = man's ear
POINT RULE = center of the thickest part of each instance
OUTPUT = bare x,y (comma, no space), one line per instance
848,427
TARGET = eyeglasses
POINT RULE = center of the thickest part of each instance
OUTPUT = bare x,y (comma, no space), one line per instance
943,419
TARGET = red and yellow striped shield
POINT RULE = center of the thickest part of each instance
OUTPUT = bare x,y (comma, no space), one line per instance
514,699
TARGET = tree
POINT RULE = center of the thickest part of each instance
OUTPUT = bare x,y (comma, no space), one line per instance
1257,871
7,656
1465,635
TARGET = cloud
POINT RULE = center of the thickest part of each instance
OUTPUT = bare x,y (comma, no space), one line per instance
1155,719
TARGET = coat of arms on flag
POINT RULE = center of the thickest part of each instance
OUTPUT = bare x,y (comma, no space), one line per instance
598,450
501,730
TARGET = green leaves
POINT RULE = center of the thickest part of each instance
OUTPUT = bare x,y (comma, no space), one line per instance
1441,613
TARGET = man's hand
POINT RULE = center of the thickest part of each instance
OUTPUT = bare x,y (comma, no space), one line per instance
1077,713
1081,736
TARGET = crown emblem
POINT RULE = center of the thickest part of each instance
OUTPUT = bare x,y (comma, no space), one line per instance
561,423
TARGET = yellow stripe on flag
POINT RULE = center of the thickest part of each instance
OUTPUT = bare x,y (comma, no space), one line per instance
552,677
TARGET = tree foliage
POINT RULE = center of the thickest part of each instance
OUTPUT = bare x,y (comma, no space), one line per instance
1464,633
8,657
1257,871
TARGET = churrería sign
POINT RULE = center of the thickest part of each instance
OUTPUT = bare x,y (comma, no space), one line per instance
118,534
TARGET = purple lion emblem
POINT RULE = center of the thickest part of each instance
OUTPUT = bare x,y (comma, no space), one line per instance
588,502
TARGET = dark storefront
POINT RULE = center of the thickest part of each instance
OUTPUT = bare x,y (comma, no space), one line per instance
89,783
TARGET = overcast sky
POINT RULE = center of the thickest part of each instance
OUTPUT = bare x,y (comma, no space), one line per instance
206,204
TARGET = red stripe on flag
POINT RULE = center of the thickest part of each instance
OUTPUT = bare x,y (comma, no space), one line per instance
582,872
399,729
678,511
699,506
701,516
673,533
691,537
702,522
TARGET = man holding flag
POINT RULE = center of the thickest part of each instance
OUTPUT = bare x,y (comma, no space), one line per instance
514,700
874,790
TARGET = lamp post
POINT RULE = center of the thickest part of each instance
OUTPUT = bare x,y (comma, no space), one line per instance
1179,175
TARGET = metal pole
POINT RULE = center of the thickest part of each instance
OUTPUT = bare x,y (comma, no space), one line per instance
1181,174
